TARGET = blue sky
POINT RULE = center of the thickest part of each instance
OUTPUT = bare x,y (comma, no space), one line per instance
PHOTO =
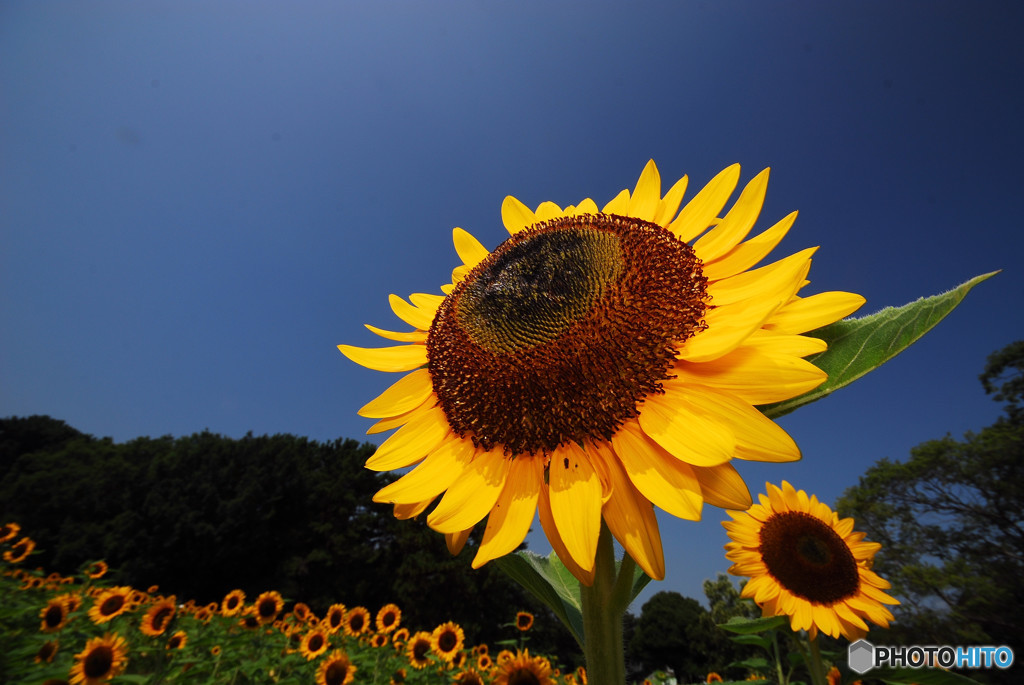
199,201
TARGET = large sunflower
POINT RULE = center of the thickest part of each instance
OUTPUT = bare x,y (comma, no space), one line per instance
807,563
102,659
598,363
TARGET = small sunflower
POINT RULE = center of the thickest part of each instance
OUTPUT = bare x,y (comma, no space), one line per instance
483,662
398,677
335,617
447,639
417,650
388,618
314,643
232,603
400,637
598,363
47,651
178,640
102,659
20,550
357,621
336,669
807,563
97,569
379,640
110,603
157,618
713,678
524,620
469,676
301,611
9,531
54,615
268,606
522,669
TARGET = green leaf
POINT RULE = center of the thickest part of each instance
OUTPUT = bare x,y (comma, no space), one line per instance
857,346
743,626
640,580
752,639
757,663
921,676
551,582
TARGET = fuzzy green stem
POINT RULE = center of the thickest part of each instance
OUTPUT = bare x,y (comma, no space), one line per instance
602,617
815,665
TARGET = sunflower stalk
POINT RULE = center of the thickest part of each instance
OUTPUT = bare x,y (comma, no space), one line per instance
815,665
604,603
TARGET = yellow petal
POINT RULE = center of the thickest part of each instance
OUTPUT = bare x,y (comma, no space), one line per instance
735,226
435,473
427,302
722,486
409,392
408,511
808,313
575,491
630,517
411,314
748,253
754,375
644,201
661,478
547,211
470,250
757,437
618,205
411,336
456,541
413,441
691,436
473,495
727,328
547,522
776,281
515,215
399,358
587,206
701,211
773,342
669,204
510,519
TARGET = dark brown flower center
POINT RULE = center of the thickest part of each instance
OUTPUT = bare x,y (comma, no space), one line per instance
808,558
98,662
447,640
560,332
523,676
112,605
336,672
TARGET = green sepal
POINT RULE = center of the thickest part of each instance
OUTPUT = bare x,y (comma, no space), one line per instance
744,626
857,346
547,579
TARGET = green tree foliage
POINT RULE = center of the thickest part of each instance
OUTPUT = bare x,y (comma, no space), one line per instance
204,514
951,523
673,632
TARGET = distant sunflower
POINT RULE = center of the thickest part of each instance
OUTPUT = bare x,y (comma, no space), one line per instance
20,550
484,662
417,650
398,677
9,531
178,640
713,677
400,637
110,603
54,615
336,669
523,669
46,652
157,618
335,617
379,640
301,611
314,643
524,620
97,569
388,618
447,640
807,563
102,659
357,621
232,603
268,606
595,365
469,676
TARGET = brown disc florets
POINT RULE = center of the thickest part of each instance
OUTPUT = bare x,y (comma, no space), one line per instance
561,331
808,558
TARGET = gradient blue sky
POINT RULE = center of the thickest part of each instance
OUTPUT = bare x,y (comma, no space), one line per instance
199,200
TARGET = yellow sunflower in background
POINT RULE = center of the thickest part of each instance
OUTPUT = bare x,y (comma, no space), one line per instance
9,531
158,618
233,603
110,603
447,640
388,618
598,363
357,621
54,615
97,569
268,605
178,640
335,617
20,550
417,650
336,669
523,668
524,620
314,643
805,562
102,659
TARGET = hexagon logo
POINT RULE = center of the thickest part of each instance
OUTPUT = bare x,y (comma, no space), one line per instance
860,656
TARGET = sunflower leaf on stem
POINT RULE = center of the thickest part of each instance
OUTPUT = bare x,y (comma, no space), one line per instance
743,626
547,579
857,346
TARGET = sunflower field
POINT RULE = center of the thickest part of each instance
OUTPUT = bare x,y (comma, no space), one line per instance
84,629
